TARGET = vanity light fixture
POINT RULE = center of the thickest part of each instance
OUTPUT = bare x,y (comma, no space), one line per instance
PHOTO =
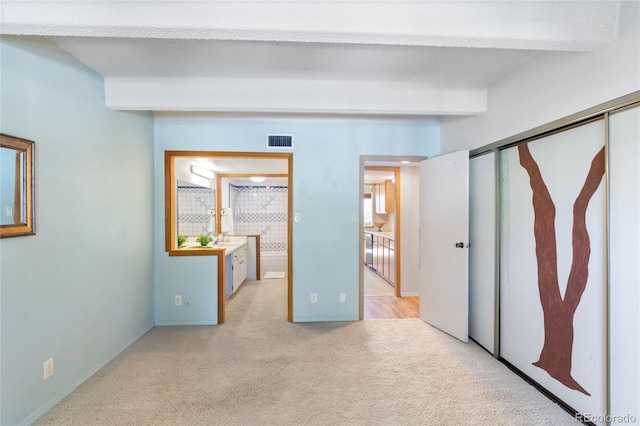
257,179
201,171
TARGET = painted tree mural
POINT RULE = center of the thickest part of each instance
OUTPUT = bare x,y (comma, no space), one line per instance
558,313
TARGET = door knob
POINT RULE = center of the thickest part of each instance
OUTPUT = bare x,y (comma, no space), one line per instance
460,245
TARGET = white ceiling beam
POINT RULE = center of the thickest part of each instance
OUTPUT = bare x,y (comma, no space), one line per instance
531,25
293,96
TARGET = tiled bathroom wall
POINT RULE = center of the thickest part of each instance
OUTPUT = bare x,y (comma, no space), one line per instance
194,206
261,210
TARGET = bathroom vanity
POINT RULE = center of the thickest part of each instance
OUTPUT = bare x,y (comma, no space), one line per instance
236,267
237,259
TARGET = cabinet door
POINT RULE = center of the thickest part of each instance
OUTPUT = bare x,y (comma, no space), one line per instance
380,189
389,197
364,248
387,258
391,271
384,256
236,275
376,252
229,273
380,255
243,268
239,271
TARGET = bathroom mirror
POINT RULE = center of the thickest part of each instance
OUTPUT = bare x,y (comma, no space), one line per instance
195,209
16,187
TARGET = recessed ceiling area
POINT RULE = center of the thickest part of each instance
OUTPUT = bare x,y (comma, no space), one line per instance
385,58
245,165
377,176
232,59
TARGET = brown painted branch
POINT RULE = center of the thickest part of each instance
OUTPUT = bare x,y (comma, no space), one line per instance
579,273
544,232
556,355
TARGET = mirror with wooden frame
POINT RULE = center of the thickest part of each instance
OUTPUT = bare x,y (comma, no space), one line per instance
16,187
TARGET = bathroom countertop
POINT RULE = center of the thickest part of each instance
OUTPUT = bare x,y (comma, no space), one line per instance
191,248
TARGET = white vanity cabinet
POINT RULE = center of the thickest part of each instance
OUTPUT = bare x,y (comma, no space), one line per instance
236,266
239,266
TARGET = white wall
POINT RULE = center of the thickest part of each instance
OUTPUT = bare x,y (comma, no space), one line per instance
81,289
409,190
552,85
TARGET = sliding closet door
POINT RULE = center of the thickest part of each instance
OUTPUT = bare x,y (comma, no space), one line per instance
482,250
624,270
552,263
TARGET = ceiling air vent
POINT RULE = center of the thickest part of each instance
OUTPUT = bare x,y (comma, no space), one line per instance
280,141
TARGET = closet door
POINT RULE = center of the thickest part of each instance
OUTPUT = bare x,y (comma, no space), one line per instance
552,274
482,251
624,255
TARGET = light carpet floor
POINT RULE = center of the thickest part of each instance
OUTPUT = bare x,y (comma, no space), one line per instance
257,369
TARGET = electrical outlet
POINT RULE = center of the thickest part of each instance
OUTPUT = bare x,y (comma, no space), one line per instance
343,297
296,217
9,211
47,368
177,300
314,297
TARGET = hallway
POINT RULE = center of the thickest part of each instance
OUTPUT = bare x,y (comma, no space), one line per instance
380,301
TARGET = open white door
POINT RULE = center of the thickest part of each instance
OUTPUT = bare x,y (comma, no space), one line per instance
444,238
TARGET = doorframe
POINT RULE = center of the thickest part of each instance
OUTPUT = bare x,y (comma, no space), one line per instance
170,214
397,225
396,222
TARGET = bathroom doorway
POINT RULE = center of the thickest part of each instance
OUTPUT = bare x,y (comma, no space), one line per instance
238,167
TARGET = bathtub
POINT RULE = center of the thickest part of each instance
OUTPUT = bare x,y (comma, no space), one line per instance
273,261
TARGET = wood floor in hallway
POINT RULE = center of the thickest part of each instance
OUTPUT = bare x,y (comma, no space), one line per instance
380,301
388,307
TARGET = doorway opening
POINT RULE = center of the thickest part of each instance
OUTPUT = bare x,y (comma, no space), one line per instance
388,185
247,196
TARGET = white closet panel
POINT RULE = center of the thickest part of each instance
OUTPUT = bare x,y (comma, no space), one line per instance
624,172
559,344
482,250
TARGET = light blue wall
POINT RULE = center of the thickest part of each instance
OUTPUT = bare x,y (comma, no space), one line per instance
81,289
192,277
326,194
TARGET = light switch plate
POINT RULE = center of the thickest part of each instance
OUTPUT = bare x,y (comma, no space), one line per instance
47,368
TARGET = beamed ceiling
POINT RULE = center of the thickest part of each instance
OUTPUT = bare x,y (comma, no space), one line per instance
384,58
